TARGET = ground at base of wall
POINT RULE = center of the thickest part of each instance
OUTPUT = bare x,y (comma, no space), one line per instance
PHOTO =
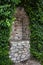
29,62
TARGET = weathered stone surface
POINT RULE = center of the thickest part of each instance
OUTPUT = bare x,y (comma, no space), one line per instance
20,28
19,51
29,62
19,39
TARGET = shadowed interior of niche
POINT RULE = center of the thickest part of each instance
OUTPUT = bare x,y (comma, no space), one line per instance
20,28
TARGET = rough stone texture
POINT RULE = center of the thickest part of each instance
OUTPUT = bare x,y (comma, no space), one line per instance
20,35
19,39
20,28
19,51
29,62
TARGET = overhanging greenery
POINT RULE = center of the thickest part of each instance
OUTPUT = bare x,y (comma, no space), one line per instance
34,9
7,9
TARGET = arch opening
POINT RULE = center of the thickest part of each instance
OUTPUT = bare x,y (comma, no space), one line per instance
20,47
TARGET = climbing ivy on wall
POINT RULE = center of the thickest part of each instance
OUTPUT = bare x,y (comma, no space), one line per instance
7,9
34,9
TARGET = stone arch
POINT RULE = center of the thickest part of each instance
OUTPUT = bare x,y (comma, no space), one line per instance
19,39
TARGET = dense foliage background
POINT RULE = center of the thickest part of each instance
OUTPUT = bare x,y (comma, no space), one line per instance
7,9
34,9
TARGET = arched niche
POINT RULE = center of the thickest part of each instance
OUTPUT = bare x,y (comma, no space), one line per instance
20,35
20,28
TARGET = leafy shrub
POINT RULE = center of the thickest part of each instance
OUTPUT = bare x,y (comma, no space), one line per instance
34,9
7,9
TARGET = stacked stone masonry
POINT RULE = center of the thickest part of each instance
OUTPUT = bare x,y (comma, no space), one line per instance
20,28
19,51
20,35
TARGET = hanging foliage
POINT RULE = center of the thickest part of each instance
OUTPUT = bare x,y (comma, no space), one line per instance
7,10
34,9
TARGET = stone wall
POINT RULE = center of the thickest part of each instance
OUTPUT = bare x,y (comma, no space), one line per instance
20,35
19,51
20,28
